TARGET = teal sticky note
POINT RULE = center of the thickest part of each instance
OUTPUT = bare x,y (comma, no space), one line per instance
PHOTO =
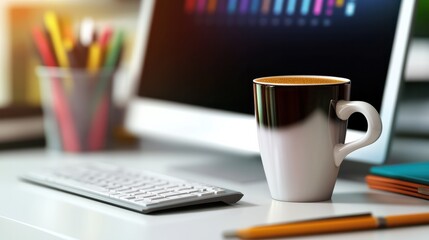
412,172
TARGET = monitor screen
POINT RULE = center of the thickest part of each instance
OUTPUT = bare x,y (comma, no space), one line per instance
197,47
195,61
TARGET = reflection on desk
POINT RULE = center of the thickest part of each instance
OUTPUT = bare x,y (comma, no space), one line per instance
76,217
11,229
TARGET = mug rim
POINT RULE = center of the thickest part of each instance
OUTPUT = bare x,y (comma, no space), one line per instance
341,79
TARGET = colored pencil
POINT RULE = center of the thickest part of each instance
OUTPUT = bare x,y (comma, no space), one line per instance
52,25
330,225
100,58
61,108
42,45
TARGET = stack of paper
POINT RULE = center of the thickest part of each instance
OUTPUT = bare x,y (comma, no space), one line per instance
410,179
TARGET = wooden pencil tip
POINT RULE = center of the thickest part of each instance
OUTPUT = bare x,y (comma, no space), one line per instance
230,234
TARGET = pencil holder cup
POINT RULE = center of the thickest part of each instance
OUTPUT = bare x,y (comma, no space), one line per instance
77,107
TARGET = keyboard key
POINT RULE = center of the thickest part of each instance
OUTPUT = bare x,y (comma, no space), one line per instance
170,194
144,195
131,191
183,197
155,198
201,194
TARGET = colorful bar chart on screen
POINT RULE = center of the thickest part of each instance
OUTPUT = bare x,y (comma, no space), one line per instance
330,7
305,7
211,6
291,6
201,6
244,5
254,8
232,6
278,9
317,9
350,8
265,9
190,6
340,3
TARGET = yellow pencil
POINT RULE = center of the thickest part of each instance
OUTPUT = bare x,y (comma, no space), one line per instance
94,57
53,27
330,225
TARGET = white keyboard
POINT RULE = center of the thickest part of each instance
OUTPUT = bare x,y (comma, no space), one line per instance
136,190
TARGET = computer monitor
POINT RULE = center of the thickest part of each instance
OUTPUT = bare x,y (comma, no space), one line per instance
189,50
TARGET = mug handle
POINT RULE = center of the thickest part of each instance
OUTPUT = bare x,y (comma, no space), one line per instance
346,108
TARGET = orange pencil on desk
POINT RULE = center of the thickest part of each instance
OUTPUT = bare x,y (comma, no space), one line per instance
329,225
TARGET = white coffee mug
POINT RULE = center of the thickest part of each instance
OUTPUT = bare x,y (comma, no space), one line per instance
302,124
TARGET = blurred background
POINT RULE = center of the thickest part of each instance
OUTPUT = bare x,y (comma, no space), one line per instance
21,122
18,83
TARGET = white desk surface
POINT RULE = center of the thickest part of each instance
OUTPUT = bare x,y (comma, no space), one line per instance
42,213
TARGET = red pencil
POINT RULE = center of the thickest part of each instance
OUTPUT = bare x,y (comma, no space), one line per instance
105,37
65,119
100,120
43,46
99,125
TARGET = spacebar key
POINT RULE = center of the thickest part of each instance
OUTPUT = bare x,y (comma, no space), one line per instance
183,197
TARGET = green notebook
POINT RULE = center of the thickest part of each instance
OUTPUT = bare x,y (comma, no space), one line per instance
411,172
